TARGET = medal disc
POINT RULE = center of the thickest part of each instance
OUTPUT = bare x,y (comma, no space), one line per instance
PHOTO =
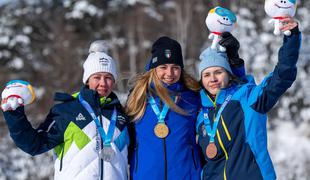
211,150
161,130
107,153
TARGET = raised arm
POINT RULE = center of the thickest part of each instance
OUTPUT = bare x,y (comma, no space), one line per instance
33,141
265,96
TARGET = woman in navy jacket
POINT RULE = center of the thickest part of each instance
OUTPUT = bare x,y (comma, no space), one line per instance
87,130
232,123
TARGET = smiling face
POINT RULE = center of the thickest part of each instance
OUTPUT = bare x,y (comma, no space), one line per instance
214,79
168,73
279,8
101,82
220,20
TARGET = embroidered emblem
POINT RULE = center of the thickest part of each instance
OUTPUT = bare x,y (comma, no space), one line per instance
104,61
168,53
80,117
205,115
154,60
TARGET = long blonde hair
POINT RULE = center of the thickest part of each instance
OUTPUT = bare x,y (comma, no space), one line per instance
137,100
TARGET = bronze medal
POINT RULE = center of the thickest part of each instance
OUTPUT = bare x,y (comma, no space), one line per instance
161,130
211,150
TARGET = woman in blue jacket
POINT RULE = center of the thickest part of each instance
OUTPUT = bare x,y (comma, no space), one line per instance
163,106
232,123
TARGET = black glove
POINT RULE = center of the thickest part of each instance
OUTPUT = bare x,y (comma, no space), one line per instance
232,46
295,30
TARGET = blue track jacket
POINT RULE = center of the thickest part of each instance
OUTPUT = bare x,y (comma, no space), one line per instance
176,156
241,137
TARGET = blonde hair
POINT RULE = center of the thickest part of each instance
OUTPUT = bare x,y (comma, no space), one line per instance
137,100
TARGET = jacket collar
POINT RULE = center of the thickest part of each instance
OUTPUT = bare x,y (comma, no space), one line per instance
207,101
91,96
173,88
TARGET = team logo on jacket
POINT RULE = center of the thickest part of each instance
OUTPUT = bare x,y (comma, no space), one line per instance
121,119
80,117
167,53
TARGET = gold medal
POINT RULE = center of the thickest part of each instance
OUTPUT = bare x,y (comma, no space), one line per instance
211,150
161,130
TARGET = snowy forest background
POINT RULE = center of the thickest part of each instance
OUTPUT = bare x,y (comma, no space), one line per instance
46,42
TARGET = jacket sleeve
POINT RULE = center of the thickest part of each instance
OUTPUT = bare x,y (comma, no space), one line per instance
132,136
239,70
264,96
33,141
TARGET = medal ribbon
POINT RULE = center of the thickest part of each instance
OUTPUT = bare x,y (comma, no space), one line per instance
160,115
212,131
106,137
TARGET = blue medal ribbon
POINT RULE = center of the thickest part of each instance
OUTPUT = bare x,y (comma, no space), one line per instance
160,115
206,120
105,137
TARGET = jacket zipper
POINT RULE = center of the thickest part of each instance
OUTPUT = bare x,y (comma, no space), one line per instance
165,159
225,152
136,161
101,146
62,155
193,156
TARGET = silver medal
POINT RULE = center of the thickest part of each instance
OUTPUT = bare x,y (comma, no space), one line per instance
107,153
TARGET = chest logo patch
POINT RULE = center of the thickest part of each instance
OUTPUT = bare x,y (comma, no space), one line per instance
80,117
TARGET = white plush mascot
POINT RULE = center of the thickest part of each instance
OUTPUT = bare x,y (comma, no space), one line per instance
219,20
277,9
17,93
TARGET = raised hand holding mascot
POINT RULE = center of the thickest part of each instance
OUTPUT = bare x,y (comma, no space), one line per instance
219,20
279,10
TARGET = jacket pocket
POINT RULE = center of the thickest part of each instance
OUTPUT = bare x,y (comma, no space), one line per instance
193,157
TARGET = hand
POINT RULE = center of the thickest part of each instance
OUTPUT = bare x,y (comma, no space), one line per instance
11,103
16,93
288,23
232,47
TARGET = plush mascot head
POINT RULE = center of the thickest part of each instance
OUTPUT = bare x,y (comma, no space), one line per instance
220,20
279,8
20,89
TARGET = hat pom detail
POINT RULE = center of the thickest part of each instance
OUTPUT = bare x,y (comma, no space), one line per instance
98,46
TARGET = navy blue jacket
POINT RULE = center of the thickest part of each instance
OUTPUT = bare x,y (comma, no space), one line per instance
176,156
51,132
241,136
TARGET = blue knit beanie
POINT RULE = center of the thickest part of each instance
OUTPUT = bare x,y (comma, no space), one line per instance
210,58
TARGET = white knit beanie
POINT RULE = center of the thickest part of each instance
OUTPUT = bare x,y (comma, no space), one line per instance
98,61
